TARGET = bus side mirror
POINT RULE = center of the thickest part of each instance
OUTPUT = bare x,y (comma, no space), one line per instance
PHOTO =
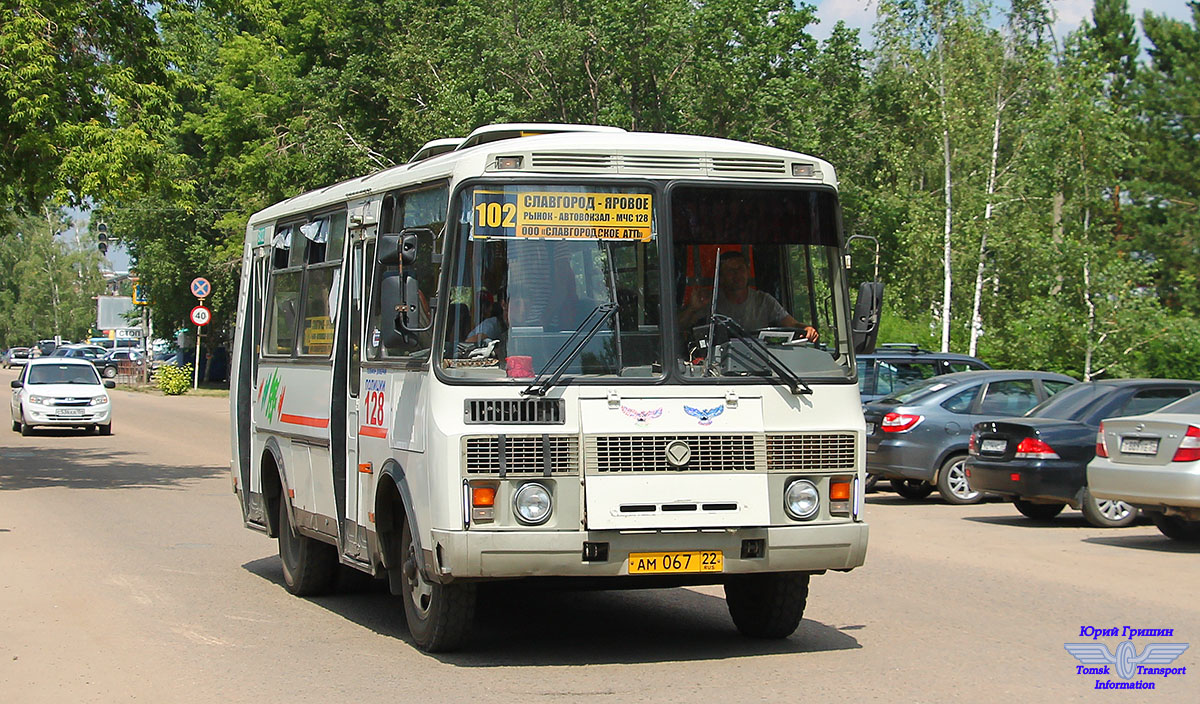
864,327
401,249
400,303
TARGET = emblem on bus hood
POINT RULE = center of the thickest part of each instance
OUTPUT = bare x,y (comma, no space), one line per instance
678,453
641,417
705,415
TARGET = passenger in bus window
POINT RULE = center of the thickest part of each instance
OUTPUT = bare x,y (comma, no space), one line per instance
749,307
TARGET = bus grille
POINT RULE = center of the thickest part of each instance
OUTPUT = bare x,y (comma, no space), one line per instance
521,454
747,164
508,411
647,453
811,452
584,162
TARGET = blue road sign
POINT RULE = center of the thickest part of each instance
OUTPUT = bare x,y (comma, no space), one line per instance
200,287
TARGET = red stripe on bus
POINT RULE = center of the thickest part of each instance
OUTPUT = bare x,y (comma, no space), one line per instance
304,420
372,431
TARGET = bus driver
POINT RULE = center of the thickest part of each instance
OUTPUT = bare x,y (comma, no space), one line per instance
749,307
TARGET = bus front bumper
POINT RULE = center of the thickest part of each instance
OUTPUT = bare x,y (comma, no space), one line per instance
531,553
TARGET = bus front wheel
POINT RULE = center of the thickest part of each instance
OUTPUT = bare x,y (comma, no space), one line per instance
309,566
767,605
439,616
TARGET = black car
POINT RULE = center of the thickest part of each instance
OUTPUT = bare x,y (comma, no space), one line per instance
118,360
894,366
1040,460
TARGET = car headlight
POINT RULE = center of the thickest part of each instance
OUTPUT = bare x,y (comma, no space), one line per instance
39,400
532,504
801,500
97,400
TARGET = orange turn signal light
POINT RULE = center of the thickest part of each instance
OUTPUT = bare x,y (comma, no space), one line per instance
483,496
839,491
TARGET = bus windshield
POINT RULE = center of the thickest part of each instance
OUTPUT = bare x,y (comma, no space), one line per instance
532,262
765,259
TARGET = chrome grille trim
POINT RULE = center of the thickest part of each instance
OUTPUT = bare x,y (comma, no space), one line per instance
811,452
611,454
523,454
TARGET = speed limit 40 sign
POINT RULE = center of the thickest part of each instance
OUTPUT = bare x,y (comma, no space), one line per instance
201,315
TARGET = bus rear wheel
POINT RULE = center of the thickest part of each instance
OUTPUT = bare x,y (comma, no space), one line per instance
767,605
309,566
440,616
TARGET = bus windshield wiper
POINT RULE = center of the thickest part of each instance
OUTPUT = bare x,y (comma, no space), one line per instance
764,354
577,341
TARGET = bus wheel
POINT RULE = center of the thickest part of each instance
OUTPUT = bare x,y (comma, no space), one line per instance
767,605
439,616
309,566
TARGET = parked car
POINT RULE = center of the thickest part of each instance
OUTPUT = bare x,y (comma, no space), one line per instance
1040,461
88,352
43,348
894,366
917,438
122,358
1152,462
16,357
60,391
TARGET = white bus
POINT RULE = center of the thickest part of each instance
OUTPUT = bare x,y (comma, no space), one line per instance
555,351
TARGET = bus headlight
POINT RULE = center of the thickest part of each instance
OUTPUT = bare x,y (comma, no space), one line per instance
532,504
801,500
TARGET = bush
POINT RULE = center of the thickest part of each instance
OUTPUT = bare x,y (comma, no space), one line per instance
173,380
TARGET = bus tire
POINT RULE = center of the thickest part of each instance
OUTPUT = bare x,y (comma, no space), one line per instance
767,605
440,616
309,566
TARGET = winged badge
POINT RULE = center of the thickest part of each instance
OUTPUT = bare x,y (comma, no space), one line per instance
705,416
1126,657
641,417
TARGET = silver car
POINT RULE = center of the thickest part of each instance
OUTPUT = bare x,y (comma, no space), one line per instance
1152,462
918,437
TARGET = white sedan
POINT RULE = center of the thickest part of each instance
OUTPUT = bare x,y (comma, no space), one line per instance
1153,462
61,391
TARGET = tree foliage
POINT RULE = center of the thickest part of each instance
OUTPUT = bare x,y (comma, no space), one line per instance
1036,197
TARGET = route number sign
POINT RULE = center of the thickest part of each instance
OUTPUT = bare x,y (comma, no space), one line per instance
200,287
201,316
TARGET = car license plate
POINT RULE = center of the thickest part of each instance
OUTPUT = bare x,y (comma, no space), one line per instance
870,428
69,411
1139,446
676,562
993,445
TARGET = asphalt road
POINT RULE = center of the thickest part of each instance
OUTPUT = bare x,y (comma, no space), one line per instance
126,575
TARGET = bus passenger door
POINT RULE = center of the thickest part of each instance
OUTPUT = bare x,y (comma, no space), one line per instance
354,530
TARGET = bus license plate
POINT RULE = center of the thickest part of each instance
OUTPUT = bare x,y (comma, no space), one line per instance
676,562
1138,446
992,445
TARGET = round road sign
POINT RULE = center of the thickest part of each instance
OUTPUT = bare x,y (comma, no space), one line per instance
201,315
200,287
